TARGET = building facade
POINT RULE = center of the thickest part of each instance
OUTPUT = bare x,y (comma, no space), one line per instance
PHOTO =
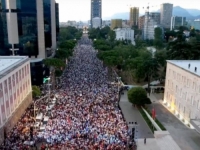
28,28
96,10
176,22
15,90
96,22
125,34
141,22
195,24
116,23
134,16
166,10
155,16
182,89
149,26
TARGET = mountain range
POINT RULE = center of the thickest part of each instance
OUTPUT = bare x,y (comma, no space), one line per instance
190,14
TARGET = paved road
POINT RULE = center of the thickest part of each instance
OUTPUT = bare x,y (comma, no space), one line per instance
187,139
132,114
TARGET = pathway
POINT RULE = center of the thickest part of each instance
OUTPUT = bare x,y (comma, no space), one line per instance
132,114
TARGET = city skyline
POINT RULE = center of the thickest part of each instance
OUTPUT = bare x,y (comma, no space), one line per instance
79,10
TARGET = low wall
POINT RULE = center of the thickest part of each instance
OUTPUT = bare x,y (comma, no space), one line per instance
15,116
152,121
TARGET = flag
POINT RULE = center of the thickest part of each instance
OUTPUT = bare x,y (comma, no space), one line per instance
153,113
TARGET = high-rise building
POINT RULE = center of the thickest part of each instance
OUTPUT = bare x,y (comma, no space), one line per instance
116,23
149,27
57,20
166,14
155,16
141,22
176,22
28,28
96,10
134,16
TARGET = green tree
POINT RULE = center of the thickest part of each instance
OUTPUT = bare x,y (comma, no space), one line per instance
68,44
148,69
138,96
158,38
54,62
69,33
29,48
63,54
36,91
112,35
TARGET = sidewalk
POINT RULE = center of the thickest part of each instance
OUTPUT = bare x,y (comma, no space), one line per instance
161,140
132,114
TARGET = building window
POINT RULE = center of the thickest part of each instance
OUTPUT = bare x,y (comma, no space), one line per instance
192,100
199,105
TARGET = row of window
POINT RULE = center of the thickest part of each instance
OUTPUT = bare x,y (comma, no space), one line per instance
11,93
185,96
183,80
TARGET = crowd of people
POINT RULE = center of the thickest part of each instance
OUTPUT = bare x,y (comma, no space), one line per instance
86,115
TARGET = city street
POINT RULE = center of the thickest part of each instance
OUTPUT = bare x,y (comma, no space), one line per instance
186,138
82,114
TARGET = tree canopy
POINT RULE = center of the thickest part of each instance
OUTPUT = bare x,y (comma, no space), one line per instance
138,96
36,91
69,33
54,62
158,37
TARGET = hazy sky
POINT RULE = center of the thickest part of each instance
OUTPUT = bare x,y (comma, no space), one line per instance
80,9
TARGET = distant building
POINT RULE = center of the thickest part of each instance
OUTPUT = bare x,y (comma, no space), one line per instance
96,22
134,16
182,90
176,22
96,10
166,10
141,22
125,34
15,90
149,26
106,23
116,23
195,24
155,16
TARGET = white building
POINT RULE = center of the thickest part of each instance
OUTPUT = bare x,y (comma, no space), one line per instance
15,90
96,22
125,34
149,27
182,89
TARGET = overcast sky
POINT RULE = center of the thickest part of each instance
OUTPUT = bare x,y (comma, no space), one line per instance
80,9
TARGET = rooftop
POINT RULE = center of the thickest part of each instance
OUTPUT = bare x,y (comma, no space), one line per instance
9,62
192,66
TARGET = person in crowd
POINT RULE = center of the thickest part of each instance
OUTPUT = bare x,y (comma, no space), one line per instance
86,115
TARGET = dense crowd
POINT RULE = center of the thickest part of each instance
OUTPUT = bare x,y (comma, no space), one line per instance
86,115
